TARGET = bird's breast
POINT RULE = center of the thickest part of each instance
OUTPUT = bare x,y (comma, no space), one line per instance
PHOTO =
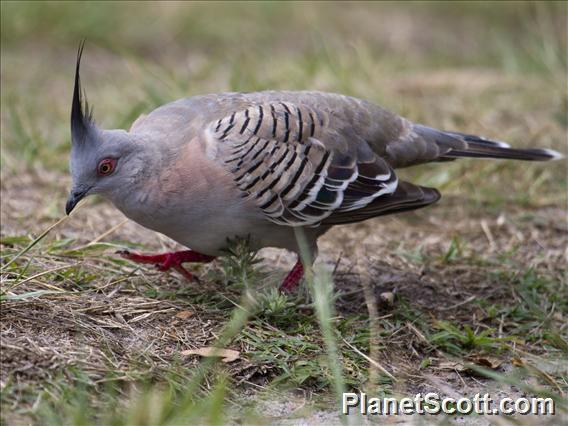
192,201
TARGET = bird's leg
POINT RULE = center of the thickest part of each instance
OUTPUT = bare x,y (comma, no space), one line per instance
170,260
293,278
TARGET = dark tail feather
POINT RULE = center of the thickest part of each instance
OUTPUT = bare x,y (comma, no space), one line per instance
484,150
454,145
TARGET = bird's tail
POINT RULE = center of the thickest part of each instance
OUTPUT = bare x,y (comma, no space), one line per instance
478,147
459,145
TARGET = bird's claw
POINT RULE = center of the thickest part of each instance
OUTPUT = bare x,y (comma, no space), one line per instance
168,264
163,262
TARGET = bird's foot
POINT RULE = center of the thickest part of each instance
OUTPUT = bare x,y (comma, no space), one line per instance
292,280
166,261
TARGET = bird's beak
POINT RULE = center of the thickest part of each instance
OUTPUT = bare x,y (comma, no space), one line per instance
75,196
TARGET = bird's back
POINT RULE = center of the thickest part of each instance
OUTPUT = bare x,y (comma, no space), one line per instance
311,158
352,120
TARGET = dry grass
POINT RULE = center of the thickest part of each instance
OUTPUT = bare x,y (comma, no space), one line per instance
479,284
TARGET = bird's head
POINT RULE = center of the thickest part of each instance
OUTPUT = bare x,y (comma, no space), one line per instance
102,161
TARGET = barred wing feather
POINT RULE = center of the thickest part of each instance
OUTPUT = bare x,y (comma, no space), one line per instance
297,168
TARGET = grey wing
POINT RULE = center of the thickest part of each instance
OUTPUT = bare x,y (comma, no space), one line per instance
395,139
368,126
300,170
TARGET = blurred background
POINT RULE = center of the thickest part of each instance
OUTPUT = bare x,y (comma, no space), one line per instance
498,69
437,62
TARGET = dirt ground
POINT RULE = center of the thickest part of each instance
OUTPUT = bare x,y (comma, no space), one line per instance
469,295
44,336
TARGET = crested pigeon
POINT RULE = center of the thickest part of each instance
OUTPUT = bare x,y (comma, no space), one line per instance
205,169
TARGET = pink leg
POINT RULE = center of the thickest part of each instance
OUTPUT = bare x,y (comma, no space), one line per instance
167,261
293,278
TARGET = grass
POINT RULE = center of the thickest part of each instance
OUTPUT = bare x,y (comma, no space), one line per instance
464,297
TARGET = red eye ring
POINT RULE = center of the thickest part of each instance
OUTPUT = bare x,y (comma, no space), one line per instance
106,166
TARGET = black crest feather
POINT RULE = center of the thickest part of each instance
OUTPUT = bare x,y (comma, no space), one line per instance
81,115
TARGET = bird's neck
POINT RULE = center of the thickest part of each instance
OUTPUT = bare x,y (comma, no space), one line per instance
143,164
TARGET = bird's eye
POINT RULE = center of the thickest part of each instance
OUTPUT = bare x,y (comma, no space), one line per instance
106,166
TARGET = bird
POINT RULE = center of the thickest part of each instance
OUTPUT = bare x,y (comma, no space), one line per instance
209,168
